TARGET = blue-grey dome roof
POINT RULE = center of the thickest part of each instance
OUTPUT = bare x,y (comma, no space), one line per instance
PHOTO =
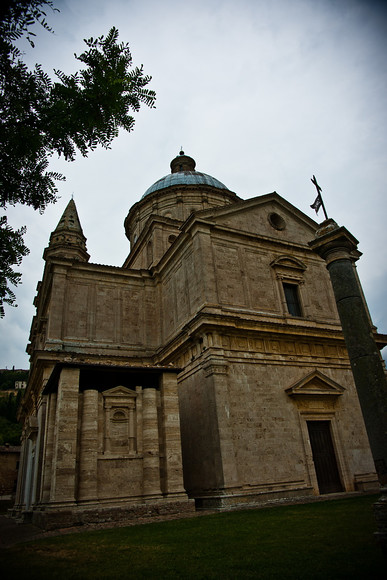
184,178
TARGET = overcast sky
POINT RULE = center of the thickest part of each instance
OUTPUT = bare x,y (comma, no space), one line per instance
262,93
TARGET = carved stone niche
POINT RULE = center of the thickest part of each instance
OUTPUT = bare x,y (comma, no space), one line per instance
120,421
315,392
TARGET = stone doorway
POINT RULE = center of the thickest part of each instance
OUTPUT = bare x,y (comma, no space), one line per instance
324,457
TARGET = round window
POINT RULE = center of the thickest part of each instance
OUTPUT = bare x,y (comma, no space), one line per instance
276,221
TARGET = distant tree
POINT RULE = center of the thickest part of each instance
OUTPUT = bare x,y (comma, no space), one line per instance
10,429
9,432
9,377
40,117
9,405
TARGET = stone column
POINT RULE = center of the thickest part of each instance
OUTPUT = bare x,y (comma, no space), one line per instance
65,447
150,443
132,431
88,476
217,370
36,486
139,420
30,454
172,461
49,447
339,249
19,499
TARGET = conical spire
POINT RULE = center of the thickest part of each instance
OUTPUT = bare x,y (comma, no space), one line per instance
69,219
67,240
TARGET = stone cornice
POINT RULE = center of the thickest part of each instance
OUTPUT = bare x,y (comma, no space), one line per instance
243,204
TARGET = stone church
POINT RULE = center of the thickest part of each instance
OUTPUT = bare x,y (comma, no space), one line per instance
209,370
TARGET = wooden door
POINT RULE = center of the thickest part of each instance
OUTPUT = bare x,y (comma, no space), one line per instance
324,457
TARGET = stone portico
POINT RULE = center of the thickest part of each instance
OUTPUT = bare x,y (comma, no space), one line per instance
105,448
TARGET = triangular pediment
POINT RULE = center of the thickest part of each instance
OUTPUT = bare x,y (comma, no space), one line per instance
315,384
119,392
267,215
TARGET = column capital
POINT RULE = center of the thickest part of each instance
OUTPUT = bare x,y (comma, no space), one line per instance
335,243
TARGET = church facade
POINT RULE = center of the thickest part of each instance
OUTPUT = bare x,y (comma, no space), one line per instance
210,367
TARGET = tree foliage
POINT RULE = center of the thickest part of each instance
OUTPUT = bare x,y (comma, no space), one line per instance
40,117
10,432
9,405
10,429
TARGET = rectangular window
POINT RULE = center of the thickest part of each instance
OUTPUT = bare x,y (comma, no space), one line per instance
292,299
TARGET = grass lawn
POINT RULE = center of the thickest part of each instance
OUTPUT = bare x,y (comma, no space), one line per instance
327,540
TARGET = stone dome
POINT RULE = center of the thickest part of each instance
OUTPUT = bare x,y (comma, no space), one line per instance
171,200
183,173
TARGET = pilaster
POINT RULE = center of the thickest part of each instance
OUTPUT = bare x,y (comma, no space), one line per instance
150,443
173,469
19,499
65,446
217,370
49,447
37,480
88,476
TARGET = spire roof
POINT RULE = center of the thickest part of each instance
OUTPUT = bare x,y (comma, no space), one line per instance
70,220
67,240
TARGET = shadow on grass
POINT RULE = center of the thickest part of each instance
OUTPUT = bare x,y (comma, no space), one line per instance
330,540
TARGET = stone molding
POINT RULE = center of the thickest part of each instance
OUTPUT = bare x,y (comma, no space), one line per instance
315,384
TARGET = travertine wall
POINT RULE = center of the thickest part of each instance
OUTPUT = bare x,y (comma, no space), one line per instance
238,275
9,459
253,216
95,309
266,423
202,461
243,433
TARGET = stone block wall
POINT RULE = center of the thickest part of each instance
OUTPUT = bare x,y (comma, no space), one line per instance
243,433
92,309
9,463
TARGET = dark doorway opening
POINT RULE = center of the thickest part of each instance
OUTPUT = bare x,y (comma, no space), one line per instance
324,457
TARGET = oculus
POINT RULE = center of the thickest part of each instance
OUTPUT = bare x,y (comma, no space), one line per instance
276,221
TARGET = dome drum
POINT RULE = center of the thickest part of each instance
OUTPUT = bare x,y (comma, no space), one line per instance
177,195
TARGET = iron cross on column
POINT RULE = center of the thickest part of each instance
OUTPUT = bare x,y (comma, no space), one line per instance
319,200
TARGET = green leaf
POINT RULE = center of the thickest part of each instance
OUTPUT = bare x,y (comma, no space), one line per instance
39,117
